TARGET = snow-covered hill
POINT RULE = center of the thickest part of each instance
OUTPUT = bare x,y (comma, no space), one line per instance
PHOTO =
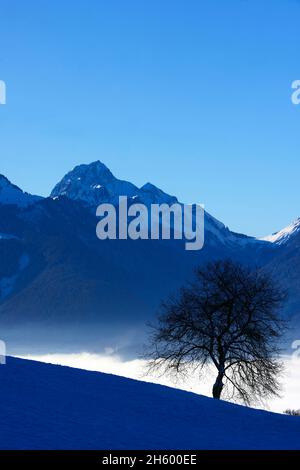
44,406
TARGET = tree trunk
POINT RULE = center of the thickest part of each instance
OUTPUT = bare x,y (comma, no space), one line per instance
218,386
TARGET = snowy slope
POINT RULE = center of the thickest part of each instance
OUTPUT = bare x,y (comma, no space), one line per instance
284,235
44,406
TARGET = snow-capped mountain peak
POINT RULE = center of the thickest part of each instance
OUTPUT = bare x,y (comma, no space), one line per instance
93,183
97,171
12,194
86,176
285,234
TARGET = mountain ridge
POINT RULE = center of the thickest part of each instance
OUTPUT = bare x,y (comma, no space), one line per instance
108,188
12,194
57,276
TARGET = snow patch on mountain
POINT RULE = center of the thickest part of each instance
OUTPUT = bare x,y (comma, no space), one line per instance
284,235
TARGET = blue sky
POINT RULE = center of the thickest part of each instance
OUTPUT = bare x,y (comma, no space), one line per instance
193,96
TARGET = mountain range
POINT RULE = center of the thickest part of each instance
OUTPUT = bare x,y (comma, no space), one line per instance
61,287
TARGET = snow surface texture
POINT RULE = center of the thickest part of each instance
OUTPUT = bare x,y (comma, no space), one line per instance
53,407
112,363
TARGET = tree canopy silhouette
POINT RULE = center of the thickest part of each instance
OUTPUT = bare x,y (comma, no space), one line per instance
228,317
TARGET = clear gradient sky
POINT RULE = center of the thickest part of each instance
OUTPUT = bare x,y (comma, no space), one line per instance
191,95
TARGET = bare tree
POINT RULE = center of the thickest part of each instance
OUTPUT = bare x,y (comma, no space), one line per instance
228,317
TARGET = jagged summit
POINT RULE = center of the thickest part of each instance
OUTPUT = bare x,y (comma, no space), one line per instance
95,170
93,176
94,183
